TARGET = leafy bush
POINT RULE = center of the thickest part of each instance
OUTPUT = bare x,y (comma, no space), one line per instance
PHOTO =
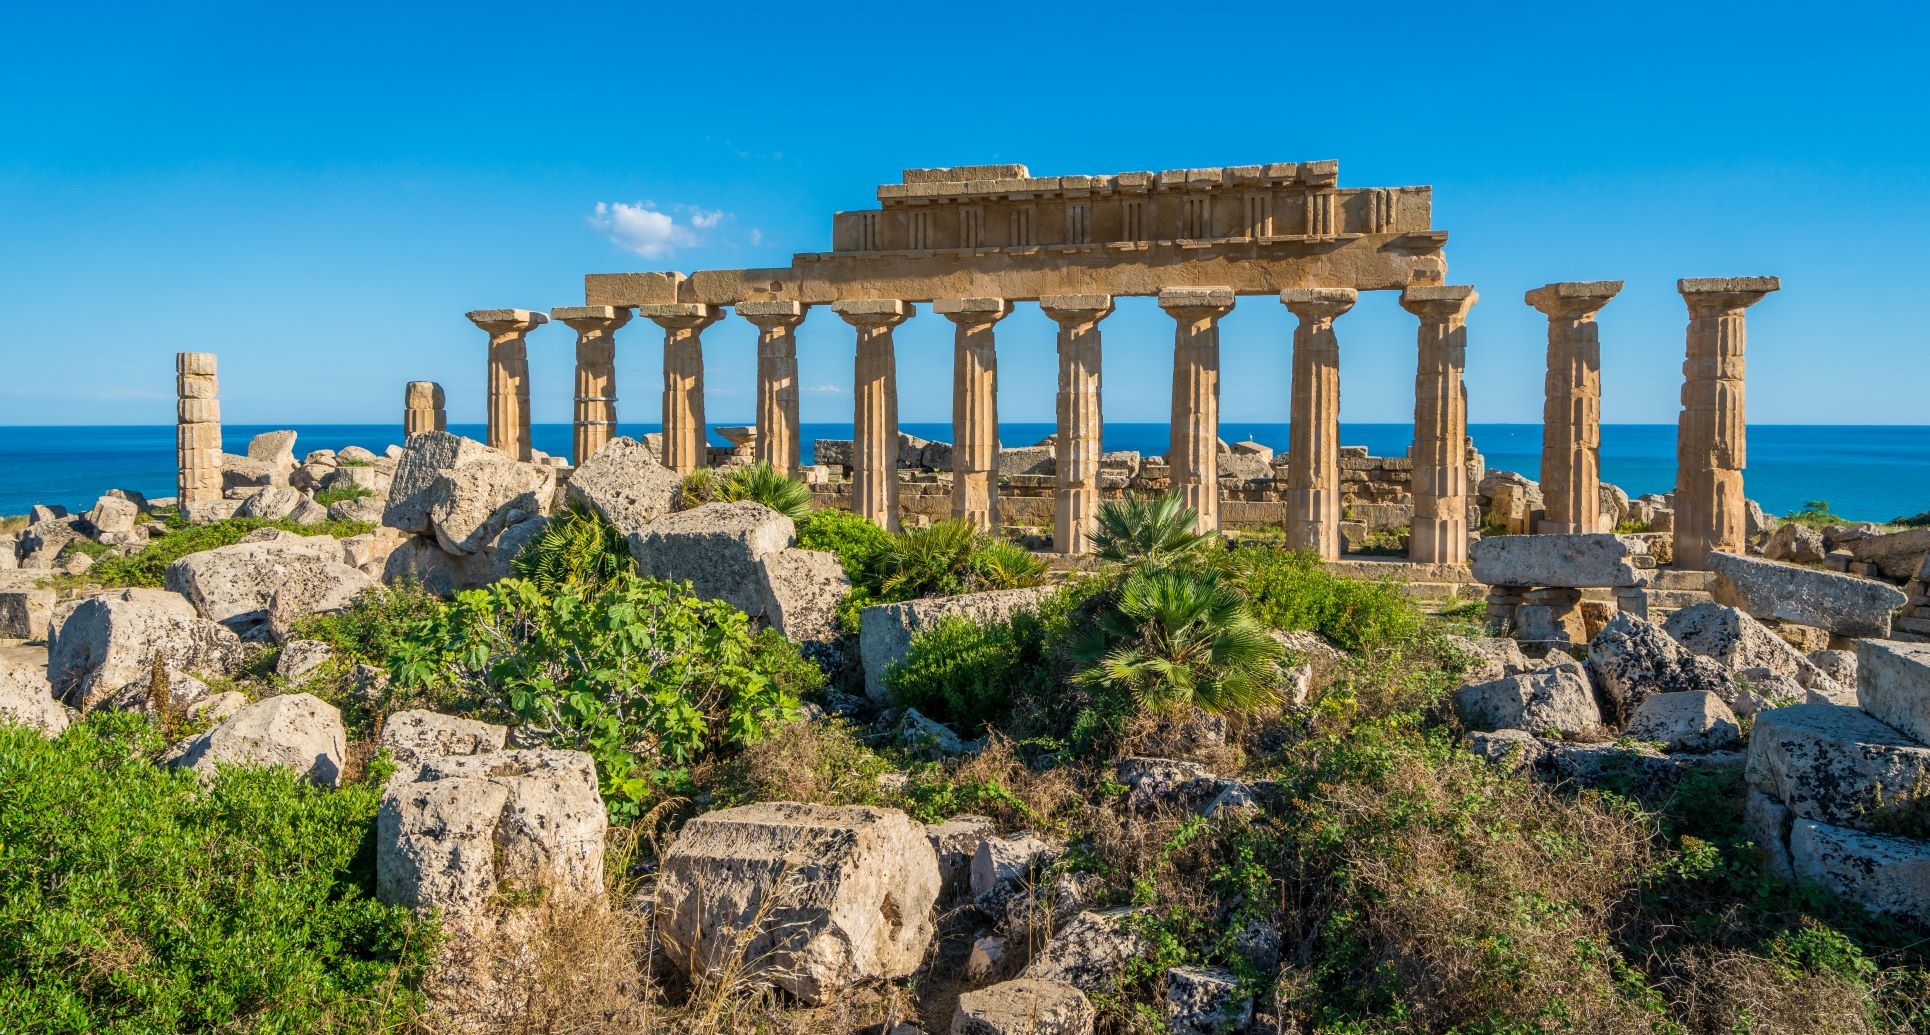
642,674
1633,526
133,900
342,494
576,546
1293,590
856,541
965,673
759,483
147,567
1918,520
949,557
1178,638
1157,532
1817,514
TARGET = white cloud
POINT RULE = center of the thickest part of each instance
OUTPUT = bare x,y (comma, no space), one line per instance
757,237
826,390
649,231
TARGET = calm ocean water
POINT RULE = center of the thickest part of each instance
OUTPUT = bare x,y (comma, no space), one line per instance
1871,473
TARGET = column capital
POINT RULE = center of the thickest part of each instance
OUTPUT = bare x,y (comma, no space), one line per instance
507,321
873,312
424,394
972,311
1572,298
1318,303
680,316
1439,302
1201,301
768,314
1076,309
591,317
1725,294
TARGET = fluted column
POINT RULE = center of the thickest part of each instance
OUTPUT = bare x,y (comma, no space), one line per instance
423,408
1571,415
1076,504
1193,452
1710,437
1313,434
975,406
777,420
685,445
197,431
509,376
1440,487
595,418
874,384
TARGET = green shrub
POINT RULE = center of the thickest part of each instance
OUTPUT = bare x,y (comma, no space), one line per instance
1157,532
576,546
1817,514
1918,520
1179,638
1293,590
855,540
1633,526
965,673
133,900
949,557
379,625
762,483
342,494
147,567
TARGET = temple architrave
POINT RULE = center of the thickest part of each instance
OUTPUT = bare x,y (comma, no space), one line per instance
970,242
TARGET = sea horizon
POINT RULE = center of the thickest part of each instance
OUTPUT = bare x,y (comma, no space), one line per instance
1868,472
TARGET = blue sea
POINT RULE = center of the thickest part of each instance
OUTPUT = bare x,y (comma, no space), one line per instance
1869,473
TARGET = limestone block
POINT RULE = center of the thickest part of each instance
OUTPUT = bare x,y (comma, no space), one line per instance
1795,543
1692,720
274,447
1843,604
366,509
105,642
112,514
715,547
24,613
885,630
1205,1001
1839,665
422,560
1885,874
955,842
625,483
1897,555
468,828
1492,657
799,591
299,731
234,585
839,895
1556,699
1632,658
999,860
324,588
1833,764
988,955
1027,1006
1091,952
418,736
300,657
370,551
1573,560
271,504
1892,681
26,698
372,478
831,452
241,472
1025,460
1737,641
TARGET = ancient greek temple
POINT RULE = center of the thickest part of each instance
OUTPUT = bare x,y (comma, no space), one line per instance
973,241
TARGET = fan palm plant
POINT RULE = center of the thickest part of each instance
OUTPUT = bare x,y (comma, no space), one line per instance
1174,637
762,483
577,547
1152,533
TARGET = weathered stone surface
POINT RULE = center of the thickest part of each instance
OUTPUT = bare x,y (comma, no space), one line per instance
955,842
1691,720
885,630
1205,1001
418,736
105,642
839,894
1886,874
1795,543
28,699
1091,952
463,492
799,591
113,515
1737,641
1895,555
274,447
234,585
1556,699
1843,604
1570,560
1308,664
1493,657
24,613
298,658
241,472
1517,749
625,483
300,731
1839,665
369,552
1000,859
421,560
716,548
1027,1006
1833,764
367,509
1632,658
924,737
469,828
324,588
1893,684
271,504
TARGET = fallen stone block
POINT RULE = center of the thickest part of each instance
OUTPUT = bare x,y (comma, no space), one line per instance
1694,721
1575,560
1026,1006
885,630
1092,951
717,549
626,485
799,592
1205,1001
28,699
25,613
1736,641
1556,699
955,842
1632,658
1843,604
300,731
1885,874
463,492
103,643
235,584
1834,764
1893,685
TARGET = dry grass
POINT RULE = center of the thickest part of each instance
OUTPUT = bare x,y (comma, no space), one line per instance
1741,992
824,763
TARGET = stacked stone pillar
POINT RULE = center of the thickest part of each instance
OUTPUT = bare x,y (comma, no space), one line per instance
975,406
197,431
1571,418
1439,533
1313,434
777,389
874,384
1075,512
685,445
594,421
1193,453
508,331
423,408
1710,435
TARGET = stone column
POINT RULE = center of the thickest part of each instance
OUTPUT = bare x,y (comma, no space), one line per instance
1571,415
595,417
1710,436
197,431
777,421
509,376
1440,478
423,408
1313,434
874,384
1194,451
686,447
975,406
1075,507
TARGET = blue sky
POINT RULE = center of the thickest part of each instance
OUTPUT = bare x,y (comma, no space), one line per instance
318,193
